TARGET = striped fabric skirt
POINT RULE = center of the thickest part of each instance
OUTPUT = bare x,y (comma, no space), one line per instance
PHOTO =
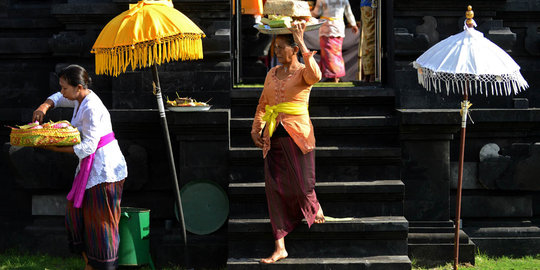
290,186
332,64
93,228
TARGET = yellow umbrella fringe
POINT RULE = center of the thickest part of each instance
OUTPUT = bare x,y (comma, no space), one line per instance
166,51
113,61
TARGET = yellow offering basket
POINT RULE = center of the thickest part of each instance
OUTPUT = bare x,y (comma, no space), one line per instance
46,136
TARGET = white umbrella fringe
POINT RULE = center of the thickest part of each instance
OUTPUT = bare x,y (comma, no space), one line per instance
503,84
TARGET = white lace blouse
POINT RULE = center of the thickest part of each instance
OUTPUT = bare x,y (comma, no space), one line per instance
93,120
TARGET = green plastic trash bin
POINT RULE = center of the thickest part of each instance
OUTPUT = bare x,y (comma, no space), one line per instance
134,228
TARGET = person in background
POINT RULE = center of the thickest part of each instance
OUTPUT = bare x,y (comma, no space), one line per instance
93,208
283,129
368,41
253,7
331,35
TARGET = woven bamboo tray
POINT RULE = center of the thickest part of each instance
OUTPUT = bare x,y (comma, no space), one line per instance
45,136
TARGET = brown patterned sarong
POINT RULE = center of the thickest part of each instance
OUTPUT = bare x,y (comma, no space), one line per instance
290,186
368,40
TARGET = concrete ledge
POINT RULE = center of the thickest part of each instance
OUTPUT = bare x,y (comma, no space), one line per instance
328,152
452,116
49,205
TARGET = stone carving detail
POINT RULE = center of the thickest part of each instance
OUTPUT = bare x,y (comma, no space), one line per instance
518,171
409,44
498,34
532,40
429,28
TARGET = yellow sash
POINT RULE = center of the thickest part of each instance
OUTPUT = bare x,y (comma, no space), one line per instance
285,107
331,18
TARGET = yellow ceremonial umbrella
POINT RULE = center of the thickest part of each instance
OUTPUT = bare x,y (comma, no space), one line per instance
148,34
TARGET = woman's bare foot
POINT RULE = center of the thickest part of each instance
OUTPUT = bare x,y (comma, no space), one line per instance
279,252
276,256
319,218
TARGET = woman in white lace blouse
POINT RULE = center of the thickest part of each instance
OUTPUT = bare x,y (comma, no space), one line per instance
93,209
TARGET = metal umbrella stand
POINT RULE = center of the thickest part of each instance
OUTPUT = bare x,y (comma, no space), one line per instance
148,34
468,63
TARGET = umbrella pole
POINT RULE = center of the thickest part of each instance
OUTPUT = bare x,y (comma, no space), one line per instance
172,167
460,176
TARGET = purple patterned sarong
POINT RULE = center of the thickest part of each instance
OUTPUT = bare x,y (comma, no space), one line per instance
290,186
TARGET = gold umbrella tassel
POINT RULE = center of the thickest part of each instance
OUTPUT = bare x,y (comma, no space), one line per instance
113,61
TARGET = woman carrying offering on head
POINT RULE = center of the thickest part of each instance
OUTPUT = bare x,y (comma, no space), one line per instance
283,129
93,208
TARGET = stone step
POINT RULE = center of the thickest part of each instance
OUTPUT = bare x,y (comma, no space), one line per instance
434,238
500,222
432,224
332,163
345,238
494,236
329,131
323,263
338,199
432,255
430,229
325,101
499,246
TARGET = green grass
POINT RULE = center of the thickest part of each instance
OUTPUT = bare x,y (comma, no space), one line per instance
12,259
319,84
17,260
483,262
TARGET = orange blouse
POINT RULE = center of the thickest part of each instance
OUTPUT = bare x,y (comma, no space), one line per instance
295,88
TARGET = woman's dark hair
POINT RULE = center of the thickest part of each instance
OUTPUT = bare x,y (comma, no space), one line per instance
75,75
288,39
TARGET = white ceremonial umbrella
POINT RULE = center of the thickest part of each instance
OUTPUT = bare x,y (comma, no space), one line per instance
468,63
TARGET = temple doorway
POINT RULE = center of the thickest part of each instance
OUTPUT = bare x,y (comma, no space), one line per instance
252,54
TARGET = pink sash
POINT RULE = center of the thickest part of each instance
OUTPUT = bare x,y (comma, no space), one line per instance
76,194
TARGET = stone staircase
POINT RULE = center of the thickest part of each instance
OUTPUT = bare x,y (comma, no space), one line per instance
358,184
